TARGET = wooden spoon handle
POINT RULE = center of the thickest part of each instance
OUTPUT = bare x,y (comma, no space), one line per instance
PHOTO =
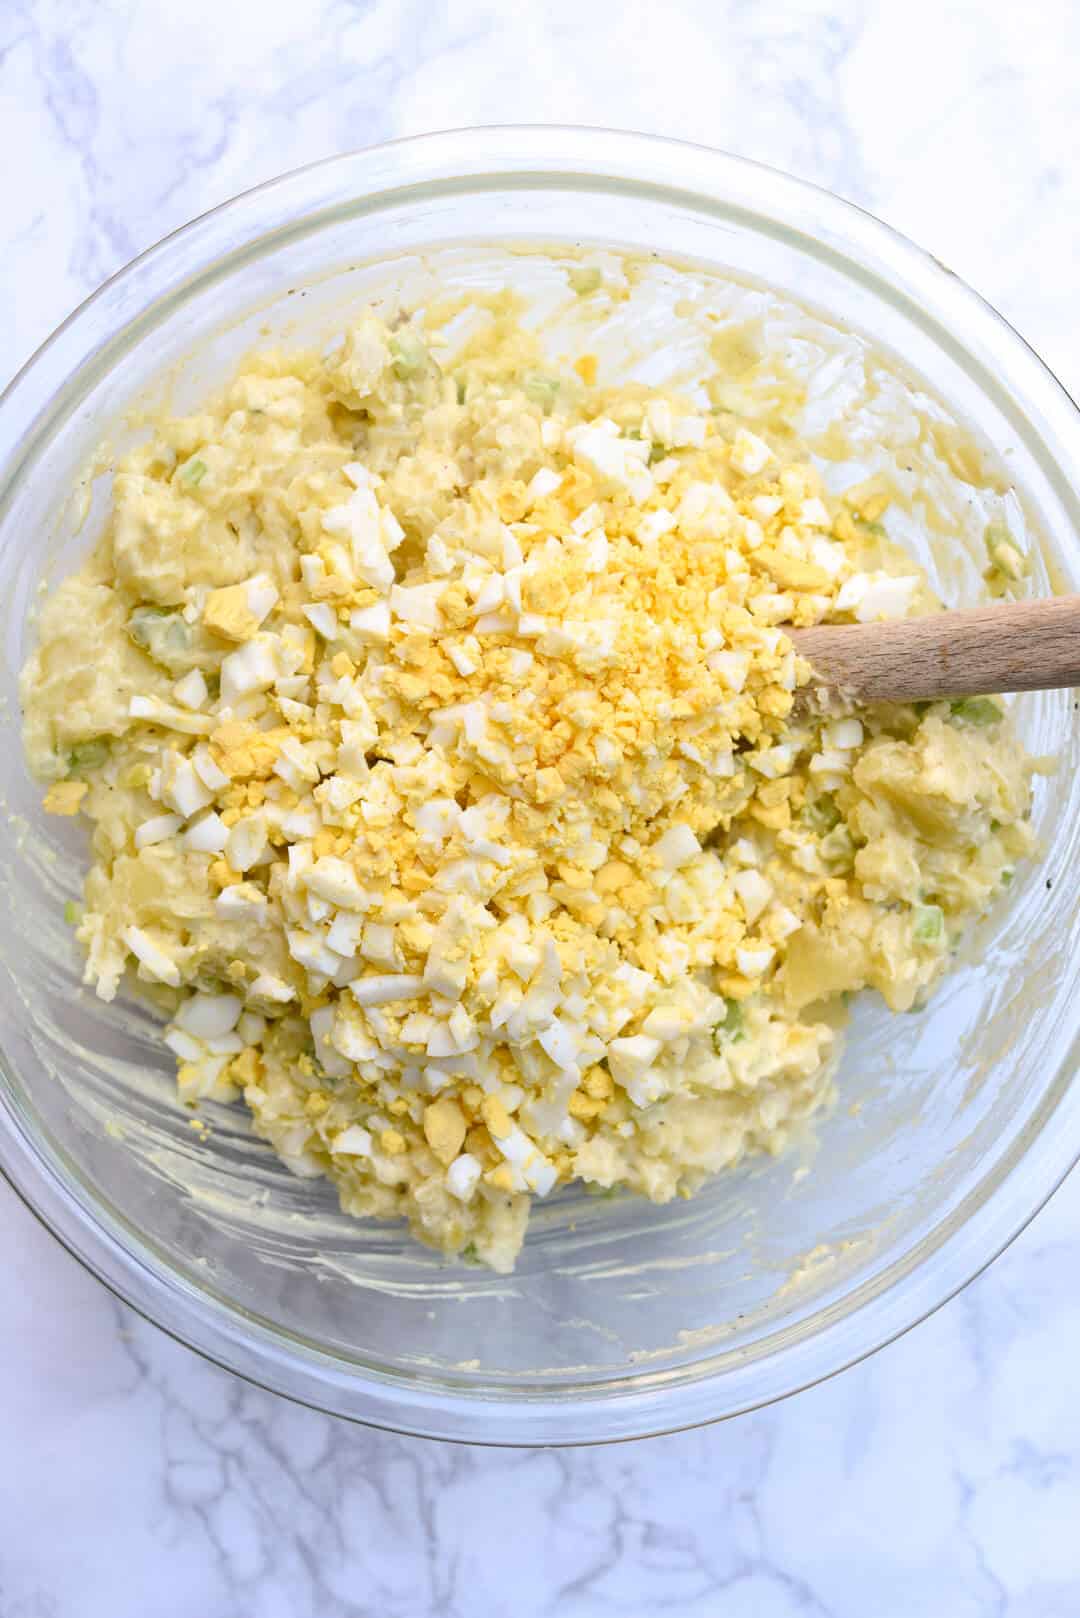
1021,646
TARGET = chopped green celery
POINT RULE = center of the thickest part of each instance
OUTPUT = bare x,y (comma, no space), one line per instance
89,755
409,352
138,625
1004,552
976,710
462,390
878,529
838,846
542,390
193,471
164,635
732,1027
929,923
585,279
469,1253
657,452
821,813
72,913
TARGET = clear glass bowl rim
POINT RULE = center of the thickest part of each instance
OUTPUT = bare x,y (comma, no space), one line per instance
91,341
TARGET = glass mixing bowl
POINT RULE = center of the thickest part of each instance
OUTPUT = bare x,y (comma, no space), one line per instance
954,1124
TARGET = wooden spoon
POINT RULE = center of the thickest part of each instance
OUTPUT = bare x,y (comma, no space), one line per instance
1020,646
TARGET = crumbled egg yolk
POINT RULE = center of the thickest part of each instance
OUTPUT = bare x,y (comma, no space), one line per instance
454,790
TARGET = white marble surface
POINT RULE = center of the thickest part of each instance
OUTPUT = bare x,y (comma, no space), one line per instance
941,1478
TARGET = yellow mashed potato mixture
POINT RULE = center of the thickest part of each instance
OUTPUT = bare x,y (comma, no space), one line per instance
453,786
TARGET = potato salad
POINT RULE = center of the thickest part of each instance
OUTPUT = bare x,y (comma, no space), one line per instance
457,796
